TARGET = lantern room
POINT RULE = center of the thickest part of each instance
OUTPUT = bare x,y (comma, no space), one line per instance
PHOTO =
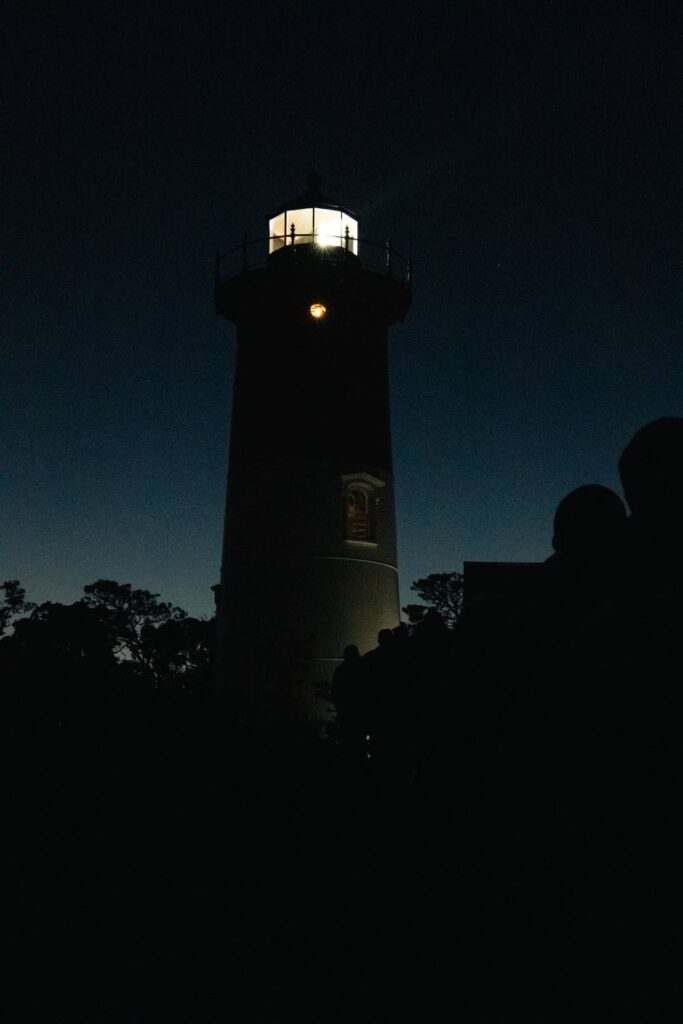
313,220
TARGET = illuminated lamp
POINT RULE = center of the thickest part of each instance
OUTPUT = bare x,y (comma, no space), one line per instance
313,221
318,311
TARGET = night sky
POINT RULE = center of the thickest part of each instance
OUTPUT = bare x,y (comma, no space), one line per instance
526,155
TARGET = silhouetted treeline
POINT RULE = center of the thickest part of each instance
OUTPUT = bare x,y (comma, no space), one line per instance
114,627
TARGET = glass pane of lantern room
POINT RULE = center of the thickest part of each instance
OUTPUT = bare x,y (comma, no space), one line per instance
303,226
328,227
352,225
276,230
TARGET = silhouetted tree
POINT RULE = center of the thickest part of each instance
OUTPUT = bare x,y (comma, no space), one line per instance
73,633
14,603
133,618
180,651
441,591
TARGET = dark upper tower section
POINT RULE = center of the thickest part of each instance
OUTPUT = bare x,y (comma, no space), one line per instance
313,234
312,303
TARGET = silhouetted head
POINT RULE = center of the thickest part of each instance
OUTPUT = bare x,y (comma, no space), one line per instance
384,637
651,471
432,622
587,520
351,653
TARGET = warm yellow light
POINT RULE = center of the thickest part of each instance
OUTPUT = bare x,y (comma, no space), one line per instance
325,240
318,310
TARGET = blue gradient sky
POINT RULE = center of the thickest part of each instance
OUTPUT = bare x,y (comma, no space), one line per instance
527,155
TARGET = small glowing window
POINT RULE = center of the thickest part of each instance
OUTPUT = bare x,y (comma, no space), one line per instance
358,514
352,226
277,233
300,223
328,228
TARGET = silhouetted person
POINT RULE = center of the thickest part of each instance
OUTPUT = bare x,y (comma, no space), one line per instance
507,663
387,670
587,524
378,666
401,636
384,638
616,737
651,471
350,701
587,567
432,635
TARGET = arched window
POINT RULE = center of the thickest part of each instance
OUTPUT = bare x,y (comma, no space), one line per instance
358,514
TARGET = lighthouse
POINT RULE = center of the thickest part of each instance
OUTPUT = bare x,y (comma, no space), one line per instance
309,552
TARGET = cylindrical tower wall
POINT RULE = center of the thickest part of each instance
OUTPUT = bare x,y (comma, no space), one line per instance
309,557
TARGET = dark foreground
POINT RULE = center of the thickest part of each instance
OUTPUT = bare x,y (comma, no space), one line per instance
174,872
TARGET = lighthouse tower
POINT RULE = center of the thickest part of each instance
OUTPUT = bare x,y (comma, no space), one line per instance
309,553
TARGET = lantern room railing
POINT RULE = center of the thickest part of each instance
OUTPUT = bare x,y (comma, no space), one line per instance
250,254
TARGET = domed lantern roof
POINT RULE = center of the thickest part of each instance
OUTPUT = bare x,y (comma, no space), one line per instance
314,220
